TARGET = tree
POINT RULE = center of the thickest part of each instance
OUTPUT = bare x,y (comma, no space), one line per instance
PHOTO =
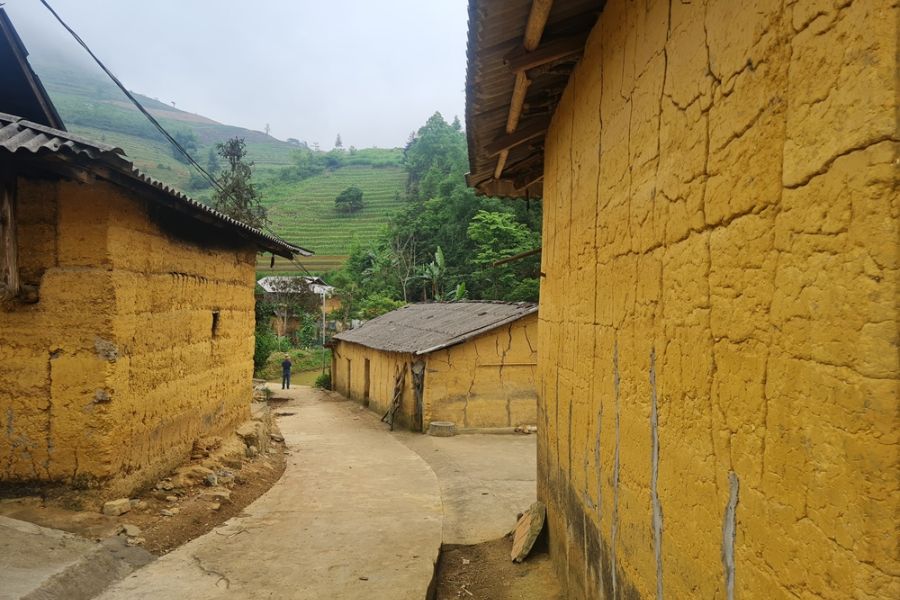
236,196
350,200
433,275
291,297
187,140
403,260
212,162
445,240
498,235
337,142
436,159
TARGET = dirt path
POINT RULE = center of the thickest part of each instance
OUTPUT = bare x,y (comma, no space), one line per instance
485,572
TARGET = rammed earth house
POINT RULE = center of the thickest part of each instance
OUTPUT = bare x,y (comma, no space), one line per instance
126,308
471,363
718,320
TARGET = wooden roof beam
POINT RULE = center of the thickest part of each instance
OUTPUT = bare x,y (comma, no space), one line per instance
520,60
537,20
534,29
533,129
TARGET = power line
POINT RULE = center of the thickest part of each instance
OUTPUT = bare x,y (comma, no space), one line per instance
134,100
157,124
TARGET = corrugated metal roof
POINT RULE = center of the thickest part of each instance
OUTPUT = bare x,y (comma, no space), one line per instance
426,327
294,283
21,137
496,27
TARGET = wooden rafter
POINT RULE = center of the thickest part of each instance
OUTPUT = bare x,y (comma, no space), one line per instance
534,29
532,129
563,48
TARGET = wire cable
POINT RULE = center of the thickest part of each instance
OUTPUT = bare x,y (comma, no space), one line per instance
134,100
156,124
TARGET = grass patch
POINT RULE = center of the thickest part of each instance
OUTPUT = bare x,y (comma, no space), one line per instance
307,365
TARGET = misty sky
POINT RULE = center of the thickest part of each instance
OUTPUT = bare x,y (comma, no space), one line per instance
371,71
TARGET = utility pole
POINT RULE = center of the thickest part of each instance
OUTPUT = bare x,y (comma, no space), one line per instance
323,332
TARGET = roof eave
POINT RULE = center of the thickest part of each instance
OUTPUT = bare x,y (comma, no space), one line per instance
506,144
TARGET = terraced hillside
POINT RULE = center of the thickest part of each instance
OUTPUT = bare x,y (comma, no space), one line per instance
304,212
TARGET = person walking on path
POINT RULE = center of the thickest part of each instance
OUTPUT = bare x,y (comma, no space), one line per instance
286,372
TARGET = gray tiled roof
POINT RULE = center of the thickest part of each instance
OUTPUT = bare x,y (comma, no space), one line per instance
20,137
426,327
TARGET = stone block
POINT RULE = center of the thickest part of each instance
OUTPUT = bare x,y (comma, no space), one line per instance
114,508
442,429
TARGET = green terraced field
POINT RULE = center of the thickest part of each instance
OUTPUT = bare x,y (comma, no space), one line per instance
304,212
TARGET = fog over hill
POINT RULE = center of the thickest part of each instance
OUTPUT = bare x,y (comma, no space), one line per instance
370,71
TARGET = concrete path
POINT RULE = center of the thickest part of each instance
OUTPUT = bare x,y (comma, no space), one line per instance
39,563
486,480
357,514
30,555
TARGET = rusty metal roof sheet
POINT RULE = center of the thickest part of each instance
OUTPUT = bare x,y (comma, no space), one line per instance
19,137
426,327
497,27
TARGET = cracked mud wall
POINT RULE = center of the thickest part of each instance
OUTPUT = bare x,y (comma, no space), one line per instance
115,371
348,378
488,381
719,307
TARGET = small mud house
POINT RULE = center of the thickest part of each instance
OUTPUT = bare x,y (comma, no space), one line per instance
718,311
472,363
126,308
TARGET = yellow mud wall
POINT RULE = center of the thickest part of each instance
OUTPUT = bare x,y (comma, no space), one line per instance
50,352
349,379
332,304
718,336
184,331
115,371
488,381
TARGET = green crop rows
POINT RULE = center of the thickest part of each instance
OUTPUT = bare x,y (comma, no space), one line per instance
320,263
304,213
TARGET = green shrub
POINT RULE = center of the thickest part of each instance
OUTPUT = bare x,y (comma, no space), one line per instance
266,344
324,381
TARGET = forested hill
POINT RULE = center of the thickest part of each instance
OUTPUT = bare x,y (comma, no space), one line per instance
298,185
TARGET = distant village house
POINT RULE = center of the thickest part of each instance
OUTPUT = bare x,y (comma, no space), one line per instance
288,294
469,363
127,309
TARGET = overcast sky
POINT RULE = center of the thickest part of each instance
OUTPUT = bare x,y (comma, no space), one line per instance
371,71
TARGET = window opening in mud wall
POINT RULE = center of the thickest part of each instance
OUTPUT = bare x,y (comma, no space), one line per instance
215,323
